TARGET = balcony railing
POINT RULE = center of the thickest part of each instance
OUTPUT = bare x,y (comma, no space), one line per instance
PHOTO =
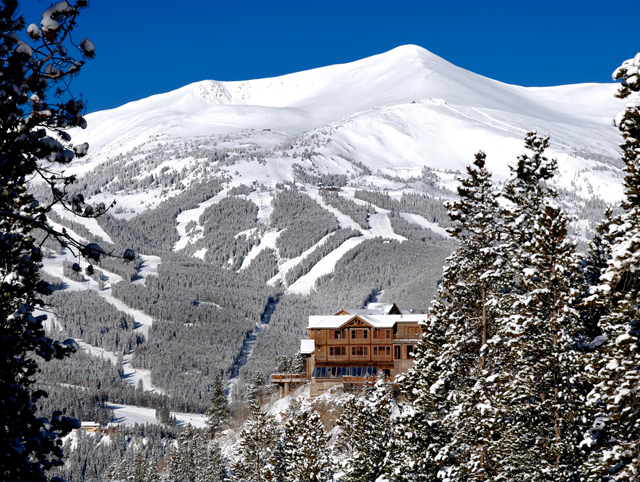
288,378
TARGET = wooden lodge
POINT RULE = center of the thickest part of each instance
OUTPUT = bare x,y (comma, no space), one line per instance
353,345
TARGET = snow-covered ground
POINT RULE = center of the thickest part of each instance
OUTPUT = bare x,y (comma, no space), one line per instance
395,113
422,222
130,415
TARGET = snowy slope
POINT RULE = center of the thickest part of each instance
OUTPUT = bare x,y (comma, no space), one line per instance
366,109
378,121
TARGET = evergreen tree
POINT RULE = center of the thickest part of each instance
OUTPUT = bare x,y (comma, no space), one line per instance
451,357
615,437
592,306
139,469
34,144
208,460
370,434
281,460
410,456
151,473
423,387
254,453
218,412
538,388
306,448
181,467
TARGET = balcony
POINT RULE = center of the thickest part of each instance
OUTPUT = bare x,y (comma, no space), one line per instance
288,378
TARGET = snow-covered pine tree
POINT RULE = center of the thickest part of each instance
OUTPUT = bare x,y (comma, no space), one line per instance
280,460
410,455
306,448
138,471
218,412
447,381
254,452
370,434
615,437
592,306
180,466
469,281
36,110
151,474
208,460
423,389
538,391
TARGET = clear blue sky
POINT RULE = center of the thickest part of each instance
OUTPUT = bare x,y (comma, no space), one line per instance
146,47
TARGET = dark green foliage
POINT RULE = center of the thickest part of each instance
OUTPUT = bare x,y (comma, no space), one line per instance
357,212
303,221
428,207
218,412
613,439
113,456
154,230
34,145
254,453
86,315
367,434
332,243
264,266
325,180
220,225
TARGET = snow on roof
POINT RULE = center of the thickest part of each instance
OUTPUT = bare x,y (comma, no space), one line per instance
307,347
375,309
383,308
376,321
89,424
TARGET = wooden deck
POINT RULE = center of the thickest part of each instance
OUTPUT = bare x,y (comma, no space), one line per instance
288,378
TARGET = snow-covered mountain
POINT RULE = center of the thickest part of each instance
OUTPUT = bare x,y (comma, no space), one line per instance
395,113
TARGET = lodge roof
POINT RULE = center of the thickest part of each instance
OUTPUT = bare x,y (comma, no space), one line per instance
375,309
375,321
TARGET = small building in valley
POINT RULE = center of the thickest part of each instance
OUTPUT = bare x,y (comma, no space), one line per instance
355,344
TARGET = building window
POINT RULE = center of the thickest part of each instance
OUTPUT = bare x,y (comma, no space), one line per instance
396,352
337,351
409,352
359,334
381,351
336,334
359,351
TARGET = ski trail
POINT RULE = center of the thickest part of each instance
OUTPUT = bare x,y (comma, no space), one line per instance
54,267
249,344
422,222
192,215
